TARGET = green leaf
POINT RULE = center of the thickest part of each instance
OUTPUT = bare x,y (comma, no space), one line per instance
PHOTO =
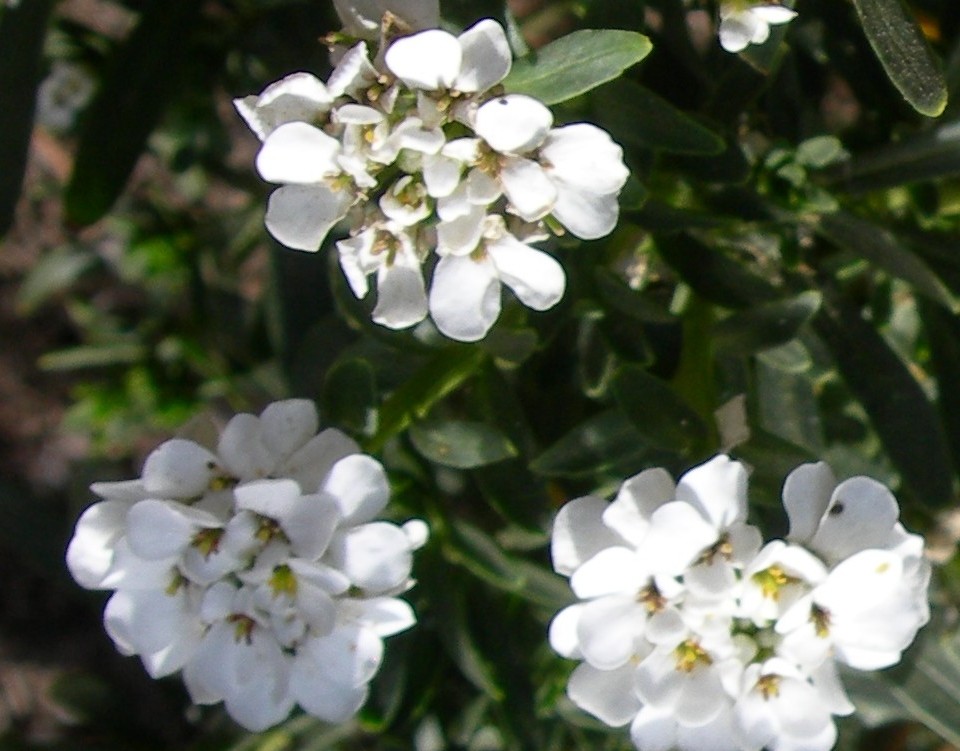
712,274
53,273
905,421
766,325
576,63
461,444
93,356
635,115
921,156
943,339
903,52
885,251
923,687
601,442
443,374
22,31
658,413
350,396
141,80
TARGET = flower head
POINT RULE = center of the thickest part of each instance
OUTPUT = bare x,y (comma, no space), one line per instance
742,25
697,637
259,568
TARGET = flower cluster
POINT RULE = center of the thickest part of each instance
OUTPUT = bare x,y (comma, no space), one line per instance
257,569
433,167
743,24
701,637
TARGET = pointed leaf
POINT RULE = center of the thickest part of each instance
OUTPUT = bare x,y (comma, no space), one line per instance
576,63
657,412
461,444
903,52
767,325
635,115
140,81
884,250
905,421
22,31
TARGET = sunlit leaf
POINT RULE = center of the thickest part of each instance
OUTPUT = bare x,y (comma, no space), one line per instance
899,44
767,325
461,444
576,63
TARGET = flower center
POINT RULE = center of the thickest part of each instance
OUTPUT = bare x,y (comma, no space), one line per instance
243,626
772,580
207,541
820,617
689,655
651,598
283,581
768,686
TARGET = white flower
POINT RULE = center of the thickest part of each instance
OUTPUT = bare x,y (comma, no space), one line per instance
742,26
259,569
477,254
699,639
435,59
363,17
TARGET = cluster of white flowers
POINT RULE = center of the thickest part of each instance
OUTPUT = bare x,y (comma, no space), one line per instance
743,24
256,569
435,168
704,639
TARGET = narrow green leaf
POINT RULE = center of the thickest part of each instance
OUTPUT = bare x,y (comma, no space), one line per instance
350,396
943,339
885,251
53,273
921,156
22,31
599,443
141,80
903,52
444,373
576,63
766,325
635,115
461,444
905,421
657,411
93,356
712,274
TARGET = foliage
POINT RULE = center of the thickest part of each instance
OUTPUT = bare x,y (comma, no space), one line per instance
788,235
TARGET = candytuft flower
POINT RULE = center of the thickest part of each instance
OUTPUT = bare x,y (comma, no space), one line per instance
742,25
696,637
435,171
257,568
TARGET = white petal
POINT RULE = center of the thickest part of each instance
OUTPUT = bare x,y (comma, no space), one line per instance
462,235
806,495
614,570
587,215
678,535
608,629
386,616
862,514
363,16
310,684
428,60
160,529
360,487
375,556
637,499
482,189
312,463
464,297
654,730
298,153
350,655
401,295
417,532
357,114
310,524
130,491
535,277
178,469
606,694
738,30
531,193
441,174
353,71
718,488
579,534
775,14
288,424
486,56
513,123
563,632
90,553
584,156
275,499
145,620
242,450
300,216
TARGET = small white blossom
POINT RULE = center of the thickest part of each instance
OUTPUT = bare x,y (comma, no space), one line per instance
742,25
258,569
420,148
701,640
